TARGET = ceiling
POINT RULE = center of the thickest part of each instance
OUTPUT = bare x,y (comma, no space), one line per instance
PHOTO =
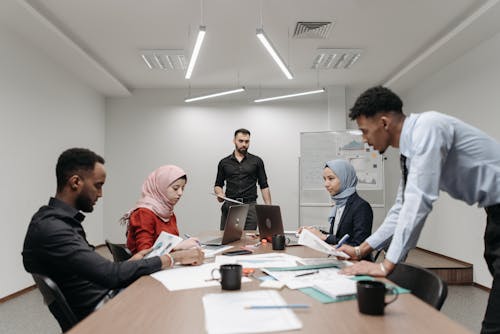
99,40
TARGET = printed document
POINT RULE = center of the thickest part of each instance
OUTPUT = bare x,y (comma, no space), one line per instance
164,244
307,238
228,313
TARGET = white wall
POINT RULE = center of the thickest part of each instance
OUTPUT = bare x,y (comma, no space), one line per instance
468,89
43,110
155,127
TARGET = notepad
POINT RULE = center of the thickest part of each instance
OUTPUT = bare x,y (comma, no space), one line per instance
338,287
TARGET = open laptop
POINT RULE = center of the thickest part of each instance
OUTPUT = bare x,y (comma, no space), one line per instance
270,223
235,223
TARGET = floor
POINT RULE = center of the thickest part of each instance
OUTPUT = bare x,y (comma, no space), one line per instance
28,314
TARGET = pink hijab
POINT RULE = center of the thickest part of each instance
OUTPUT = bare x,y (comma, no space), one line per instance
152,197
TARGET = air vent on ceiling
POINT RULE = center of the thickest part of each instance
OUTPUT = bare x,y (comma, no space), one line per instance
312,30
164,59
327,59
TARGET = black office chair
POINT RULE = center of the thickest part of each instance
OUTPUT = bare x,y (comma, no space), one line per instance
120,252
422,283
56,302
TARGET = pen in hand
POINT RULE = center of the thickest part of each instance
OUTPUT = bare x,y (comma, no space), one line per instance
342,240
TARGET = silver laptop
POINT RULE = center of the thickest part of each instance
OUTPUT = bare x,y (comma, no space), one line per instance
270,223
235,223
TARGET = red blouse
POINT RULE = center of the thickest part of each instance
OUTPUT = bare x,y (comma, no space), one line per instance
145,227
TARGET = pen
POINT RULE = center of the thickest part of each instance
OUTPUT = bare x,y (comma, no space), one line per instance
263,307
308,273
342,240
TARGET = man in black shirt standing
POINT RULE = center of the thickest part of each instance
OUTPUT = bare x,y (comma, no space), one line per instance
241,171
56,245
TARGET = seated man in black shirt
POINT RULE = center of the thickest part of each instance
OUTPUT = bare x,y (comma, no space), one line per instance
56,245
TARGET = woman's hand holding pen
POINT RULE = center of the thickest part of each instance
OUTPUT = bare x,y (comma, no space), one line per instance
187,244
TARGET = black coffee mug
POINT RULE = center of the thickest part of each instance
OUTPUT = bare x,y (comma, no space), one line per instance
279,241
230,276
371,297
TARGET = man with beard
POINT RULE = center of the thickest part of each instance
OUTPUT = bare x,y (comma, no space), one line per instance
56,245
240,171
438,152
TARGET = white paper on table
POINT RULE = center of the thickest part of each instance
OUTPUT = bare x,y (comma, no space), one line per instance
292,282
226,313
339,287
276,260
211,251
189,277
307,238
164,244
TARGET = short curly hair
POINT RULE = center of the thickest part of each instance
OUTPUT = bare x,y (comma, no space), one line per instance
374,100
72,161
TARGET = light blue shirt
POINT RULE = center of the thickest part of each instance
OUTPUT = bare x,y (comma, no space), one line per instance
443,153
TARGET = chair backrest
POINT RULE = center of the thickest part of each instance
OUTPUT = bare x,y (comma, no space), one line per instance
422,283
56,302
120,252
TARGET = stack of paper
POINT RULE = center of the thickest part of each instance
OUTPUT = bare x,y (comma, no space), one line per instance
338,287
229,313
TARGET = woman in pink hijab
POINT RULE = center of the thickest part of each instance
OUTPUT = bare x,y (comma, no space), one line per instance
153,212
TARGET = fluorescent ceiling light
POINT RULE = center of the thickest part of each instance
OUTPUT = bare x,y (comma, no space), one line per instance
272,51
322,90
196,51
204,97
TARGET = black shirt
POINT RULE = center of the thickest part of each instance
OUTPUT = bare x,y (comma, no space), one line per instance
56,246
241,177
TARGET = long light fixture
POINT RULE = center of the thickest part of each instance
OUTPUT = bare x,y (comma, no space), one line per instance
209,96
322,90
196,51
272,51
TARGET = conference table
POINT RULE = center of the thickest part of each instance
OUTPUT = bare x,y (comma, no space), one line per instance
146,306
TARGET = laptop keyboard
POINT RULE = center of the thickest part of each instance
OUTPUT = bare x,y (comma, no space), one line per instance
216,241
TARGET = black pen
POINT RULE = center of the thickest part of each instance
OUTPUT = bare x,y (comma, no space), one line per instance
308,273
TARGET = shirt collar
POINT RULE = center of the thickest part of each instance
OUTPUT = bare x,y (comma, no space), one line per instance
405,140
71,211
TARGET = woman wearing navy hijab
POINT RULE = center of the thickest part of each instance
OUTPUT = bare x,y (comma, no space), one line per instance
350,213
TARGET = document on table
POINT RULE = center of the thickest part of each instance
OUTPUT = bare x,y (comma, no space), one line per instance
307,238
189,277
338,287
228,313
275,260
298,279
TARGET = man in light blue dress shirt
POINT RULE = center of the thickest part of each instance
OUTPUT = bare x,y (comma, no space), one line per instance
438,152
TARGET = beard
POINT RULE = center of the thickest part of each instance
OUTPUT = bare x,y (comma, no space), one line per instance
85,204
242,150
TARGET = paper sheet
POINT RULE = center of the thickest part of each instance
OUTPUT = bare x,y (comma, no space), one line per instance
227,199
293,282
164,244
307,238
338,287
276,260
189,277
211,251
226,313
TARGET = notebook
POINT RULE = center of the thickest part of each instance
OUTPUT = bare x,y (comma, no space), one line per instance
270,223
235,223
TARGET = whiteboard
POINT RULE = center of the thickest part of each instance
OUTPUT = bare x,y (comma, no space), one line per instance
316,148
